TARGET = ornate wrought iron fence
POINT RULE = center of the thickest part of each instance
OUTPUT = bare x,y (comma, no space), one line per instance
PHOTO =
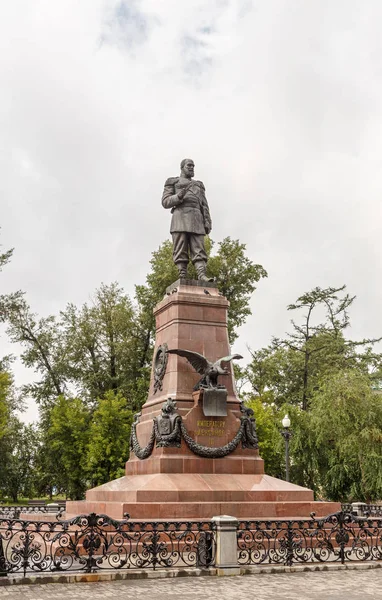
362,509
90,543
15,511
340,537
93,542
372,510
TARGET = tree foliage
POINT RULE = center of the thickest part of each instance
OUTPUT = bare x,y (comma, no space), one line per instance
44,351
325,382
18,460
109,439
235,275
68,438
83,351
5,257
107,344
103,346
322,343
270,441
289,370
346,421
92,365
18,445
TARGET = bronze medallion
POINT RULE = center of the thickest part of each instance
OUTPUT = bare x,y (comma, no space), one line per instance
160,366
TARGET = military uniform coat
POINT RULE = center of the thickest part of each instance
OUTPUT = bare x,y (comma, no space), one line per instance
190,215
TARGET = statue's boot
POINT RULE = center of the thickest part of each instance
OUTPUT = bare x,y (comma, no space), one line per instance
200,267
182,268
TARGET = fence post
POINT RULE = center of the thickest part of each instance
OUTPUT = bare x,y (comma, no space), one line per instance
359,509
290,546
3,563
226,545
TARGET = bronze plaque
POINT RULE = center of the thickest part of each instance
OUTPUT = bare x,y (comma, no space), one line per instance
215,402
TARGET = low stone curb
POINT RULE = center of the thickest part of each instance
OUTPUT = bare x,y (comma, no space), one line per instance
168,574
272,569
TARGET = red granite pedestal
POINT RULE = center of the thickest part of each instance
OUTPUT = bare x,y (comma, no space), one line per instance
174,483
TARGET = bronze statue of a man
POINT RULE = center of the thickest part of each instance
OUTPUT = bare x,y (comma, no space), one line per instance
190,221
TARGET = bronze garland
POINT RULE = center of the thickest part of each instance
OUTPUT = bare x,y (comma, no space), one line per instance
208,452
168,430
140,452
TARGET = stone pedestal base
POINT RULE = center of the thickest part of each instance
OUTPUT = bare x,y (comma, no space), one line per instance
174,482
200,496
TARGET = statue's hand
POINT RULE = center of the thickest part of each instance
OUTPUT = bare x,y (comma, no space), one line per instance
182,192
207,230
182,188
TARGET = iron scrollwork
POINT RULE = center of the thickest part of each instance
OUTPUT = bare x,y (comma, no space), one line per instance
340,537
92,542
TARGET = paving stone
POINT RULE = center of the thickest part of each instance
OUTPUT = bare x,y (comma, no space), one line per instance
323,585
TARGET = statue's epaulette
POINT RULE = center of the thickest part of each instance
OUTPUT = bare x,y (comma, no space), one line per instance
171,180
200,183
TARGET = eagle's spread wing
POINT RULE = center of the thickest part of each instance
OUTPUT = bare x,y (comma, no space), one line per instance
198,361
228,359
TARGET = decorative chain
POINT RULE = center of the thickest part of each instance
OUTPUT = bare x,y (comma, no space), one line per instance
140,452
208,452
244,434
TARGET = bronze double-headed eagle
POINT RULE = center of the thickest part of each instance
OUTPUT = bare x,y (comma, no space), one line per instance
210,371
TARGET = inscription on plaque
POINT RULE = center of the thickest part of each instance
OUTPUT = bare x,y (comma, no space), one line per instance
210,429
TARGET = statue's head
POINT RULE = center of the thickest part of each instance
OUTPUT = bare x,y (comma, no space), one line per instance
187,167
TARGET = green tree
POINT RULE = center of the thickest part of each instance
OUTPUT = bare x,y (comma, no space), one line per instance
307,459
336,445
84,351
270,441
9,426
103,346
43,346
107,344
274,375
97,358
321,343
68,437
235,275
6,301
48,474
109,438
291,369
6,403
292,374
18,459
346,422
5,257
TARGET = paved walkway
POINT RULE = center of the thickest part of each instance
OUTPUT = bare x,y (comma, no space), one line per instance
335,585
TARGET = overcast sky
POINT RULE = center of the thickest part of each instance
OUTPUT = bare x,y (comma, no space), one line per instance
279,103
